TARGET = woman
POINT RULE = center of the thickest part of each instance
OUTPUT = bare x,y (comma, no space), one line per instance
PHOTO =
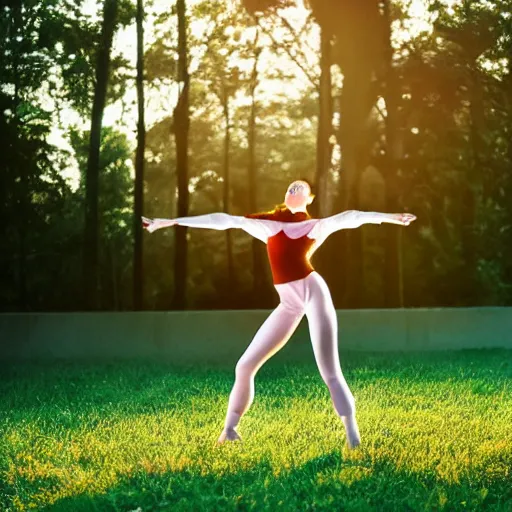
292,237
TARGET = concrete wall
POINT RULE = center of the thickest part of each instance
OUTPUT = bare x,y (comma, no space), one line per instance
208,336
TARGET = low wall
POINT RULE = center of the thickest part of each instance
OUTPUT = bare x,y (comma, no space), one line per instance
208,336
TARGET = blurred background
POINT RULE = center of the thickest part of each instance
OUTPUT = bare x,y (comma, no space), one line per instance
114,109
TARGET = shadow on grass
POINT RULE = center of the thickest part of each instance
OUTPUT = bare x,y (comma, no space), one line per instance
327,483
87,390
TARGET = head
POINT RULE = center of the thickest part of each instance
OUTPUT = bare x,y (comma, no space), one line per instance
298,196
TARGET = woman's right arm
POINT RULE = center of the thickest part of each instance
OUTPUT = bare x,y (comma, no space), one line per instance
260,229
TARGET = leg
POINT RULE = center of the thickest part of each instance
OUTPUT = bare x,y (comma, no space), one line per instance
270,338
323,328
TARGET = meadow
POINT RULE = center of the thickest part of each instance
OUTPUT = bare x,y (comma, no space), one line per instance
436,432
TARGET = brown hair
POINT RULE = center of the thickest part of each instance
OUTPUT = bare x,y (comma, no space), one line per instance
279,209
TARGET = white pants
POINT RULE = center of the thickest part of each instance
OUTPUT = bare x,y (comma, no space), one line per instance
309,296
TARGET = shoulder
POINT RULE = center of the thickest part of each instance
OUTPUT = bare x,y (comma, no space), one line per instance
261,216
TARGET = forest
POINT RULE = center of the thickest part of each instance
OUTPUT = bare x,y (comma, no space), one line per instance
115,109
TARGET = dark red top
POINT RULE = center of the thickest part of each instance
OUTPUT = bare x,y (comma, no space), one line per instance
288,257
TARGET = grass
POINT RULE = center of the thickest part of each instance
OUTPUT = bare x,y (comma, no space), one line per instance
436,435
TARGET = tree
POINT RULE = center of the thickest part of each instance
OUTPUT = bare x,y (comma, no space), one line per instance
181,131
470,35
325,129
258,268
32,190
224,81
138,277
91,240
115,214
393,278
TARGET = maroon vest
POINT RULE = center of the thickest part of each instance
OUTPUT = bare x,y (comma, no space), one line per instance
288,257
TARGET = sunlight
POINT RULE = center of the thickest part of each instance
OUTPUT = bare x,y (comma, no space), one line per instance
125,45
160,101
108,447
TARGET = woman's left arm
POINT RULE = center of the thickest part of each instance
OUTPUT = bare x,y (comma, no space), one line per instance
353,219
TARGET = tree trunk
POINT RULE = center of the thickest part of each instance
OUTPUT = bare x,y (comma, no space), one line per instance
392,268
226,190
471,184
353,112
113,267
17,24
138,276
356,102
181,130
323,146
258,268
507,184
326,258
91,245
351,248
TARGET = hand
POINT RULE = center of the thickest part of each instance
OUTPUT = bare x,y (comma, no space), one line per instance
149,224
404,218
146,222
154,224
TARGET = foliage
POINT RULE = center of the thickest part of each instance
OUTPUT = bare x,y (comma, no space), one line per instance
453,131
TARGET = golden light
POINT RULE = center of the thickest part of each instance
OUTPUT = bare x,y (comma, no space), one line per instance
160,101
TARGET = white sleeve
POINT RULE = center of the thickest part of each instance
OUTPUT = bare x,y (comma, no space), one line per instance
258,228
219,221
261,229
345,220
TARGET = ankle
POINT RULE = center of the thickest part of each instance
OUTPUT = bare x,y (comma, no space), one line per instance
349,419
232,419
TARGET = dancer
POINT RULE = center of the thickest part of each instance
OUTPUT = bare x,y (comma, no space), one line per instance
292,236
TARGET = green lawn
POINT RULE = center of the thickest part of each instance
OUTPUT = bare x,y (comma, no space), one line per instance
436,434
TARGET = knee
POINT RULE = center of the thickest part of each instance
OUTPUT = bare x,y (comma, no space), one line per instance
332,381
244,368
351,407
334,384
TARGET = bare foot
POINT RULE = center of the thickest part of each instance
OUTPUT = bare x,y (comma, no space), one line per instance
352,431
228,435
353,441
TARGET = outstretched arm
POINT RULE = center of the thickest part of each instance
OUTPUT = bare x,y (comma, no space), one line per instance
209,221
354,218
260,229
